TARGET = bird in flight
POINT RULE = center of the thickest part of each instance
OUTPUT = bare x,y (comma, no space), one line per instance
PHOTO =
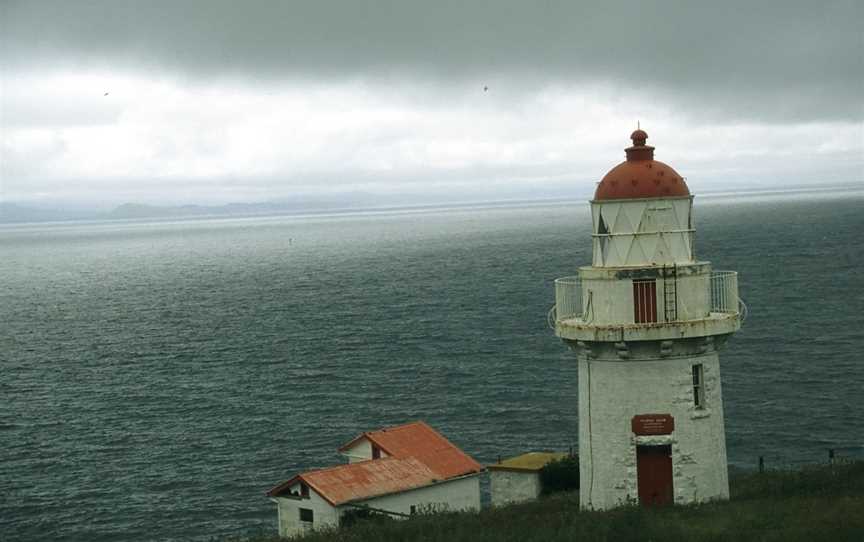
485,88
106,94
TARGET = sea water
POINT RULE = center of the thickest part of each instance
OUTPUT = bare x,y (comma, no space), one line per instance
156,378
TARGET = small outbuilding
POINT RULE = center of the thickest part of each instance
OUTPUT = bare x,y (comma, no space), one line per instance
396,471
518,479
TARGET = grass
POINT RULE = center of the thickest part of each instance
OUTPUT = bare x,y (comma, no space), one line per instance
816,503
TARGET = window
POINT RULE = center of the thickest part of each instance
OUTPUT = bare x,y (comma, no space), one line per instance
307,515
698,386
304,490
645,301
603,231
413,509
376,452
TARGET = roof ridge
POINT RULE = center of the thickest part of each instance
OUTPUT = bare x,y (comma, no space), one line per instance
346,465
367,434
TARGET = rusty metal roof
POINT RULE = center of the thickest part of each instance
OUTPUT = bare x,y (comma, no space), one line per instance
419,440
363,480
640,176
418,456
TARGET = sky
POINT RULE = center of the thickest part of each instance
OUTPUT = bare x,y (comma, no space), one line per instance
216,101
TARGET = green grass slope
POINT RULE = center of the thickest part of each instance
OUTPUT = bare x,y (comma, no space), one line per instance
817,503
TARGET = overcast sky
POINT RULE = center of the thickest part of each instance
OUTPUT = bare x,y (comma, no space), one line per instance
215,101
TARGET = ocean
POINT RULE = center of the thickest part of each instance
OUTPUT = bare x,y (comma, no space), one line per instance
157,378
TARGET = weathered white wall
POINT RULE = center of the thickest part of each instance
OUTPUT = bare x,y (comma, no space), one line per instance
610,291
612,391
513,486
456,494
289,513
360,451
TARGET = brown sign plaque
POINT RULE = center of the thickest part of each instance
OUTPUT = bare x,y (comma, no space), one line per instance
653,424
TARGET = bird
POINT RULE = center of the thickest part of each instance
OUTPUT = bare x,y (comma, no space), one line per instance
485,88
106,94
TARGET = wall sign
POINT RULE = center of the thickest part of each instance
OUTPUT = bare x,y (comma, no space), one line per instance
652,424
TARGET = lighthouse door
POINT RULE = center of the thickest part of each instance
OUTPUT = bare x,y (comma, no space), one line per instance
654,474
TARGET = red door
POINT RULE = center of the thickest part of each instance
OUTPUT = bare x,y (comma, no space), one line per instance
654,475
645,301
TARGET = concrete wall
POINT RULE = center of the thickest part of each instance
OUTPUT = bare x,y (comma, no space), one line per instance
457,494
610,291
360,451
612,391
288,509
513,486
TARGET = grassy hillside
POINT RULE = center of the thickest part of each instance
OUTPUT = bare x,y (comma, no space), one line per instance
818,503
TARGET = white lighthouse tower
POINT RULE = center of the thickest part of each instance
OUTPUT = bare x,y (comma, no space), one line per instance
646,321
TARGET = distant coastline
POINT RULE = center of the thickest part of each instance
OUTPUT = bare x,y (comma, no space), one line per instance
23,213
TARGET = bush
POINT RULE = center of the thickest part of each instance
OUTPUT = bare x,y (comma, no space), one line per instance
351,517
560,475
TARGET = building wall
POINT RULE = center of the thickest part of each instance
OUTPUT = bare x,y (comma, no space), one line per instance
513,486
612,391
457,494
361,451
289,513
610,291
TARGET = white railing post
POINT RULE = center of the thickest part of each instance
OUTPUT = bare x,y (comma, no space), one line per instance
724,291
568,298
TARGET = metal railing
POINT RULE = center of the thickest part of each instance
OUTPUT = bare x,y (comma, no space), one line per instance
724,292
568,298
723,289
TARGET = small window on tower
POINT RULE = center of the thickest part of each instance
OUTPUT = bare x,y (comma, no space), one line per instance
645,301
603,231
307,515
698,386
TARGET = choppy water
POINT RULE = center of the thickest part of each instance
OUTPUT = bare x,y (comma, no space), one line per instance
158,378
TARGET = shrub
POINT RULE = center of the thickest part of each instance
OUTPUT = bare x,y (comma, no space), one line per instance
560,475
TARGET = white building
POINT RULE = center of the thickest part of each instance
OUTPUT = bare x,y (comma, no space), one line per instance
646,321
517,479
398,471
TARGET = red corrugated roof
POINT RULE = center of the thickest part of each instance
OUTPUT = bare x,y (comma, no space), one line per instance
419,456
363,480
419,440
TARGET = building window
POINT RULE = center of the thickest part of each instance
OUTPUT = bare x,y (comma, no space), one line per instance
413,509
645,301
603,231
376,452
307,515
698,386
304,490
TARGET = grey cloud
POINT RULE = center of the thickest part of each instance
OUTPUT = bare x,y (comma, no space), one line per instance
776,61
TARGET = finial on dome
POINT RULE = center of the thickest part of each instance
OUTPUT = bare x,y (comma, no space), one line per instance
638,136
639,150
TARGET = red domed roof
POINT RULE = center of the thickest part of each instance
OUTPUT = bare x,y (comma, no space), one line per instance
640,176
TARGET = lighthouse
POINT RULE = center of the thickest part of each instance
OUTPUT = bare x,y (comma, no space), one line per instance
646,321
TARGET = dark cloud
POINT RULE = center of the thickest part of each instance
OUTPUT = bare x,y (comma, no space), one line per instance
777,61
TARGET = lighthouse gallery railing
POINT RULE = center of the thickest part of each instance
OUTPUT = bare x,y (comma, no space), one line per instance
723,286
724,291
568,298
